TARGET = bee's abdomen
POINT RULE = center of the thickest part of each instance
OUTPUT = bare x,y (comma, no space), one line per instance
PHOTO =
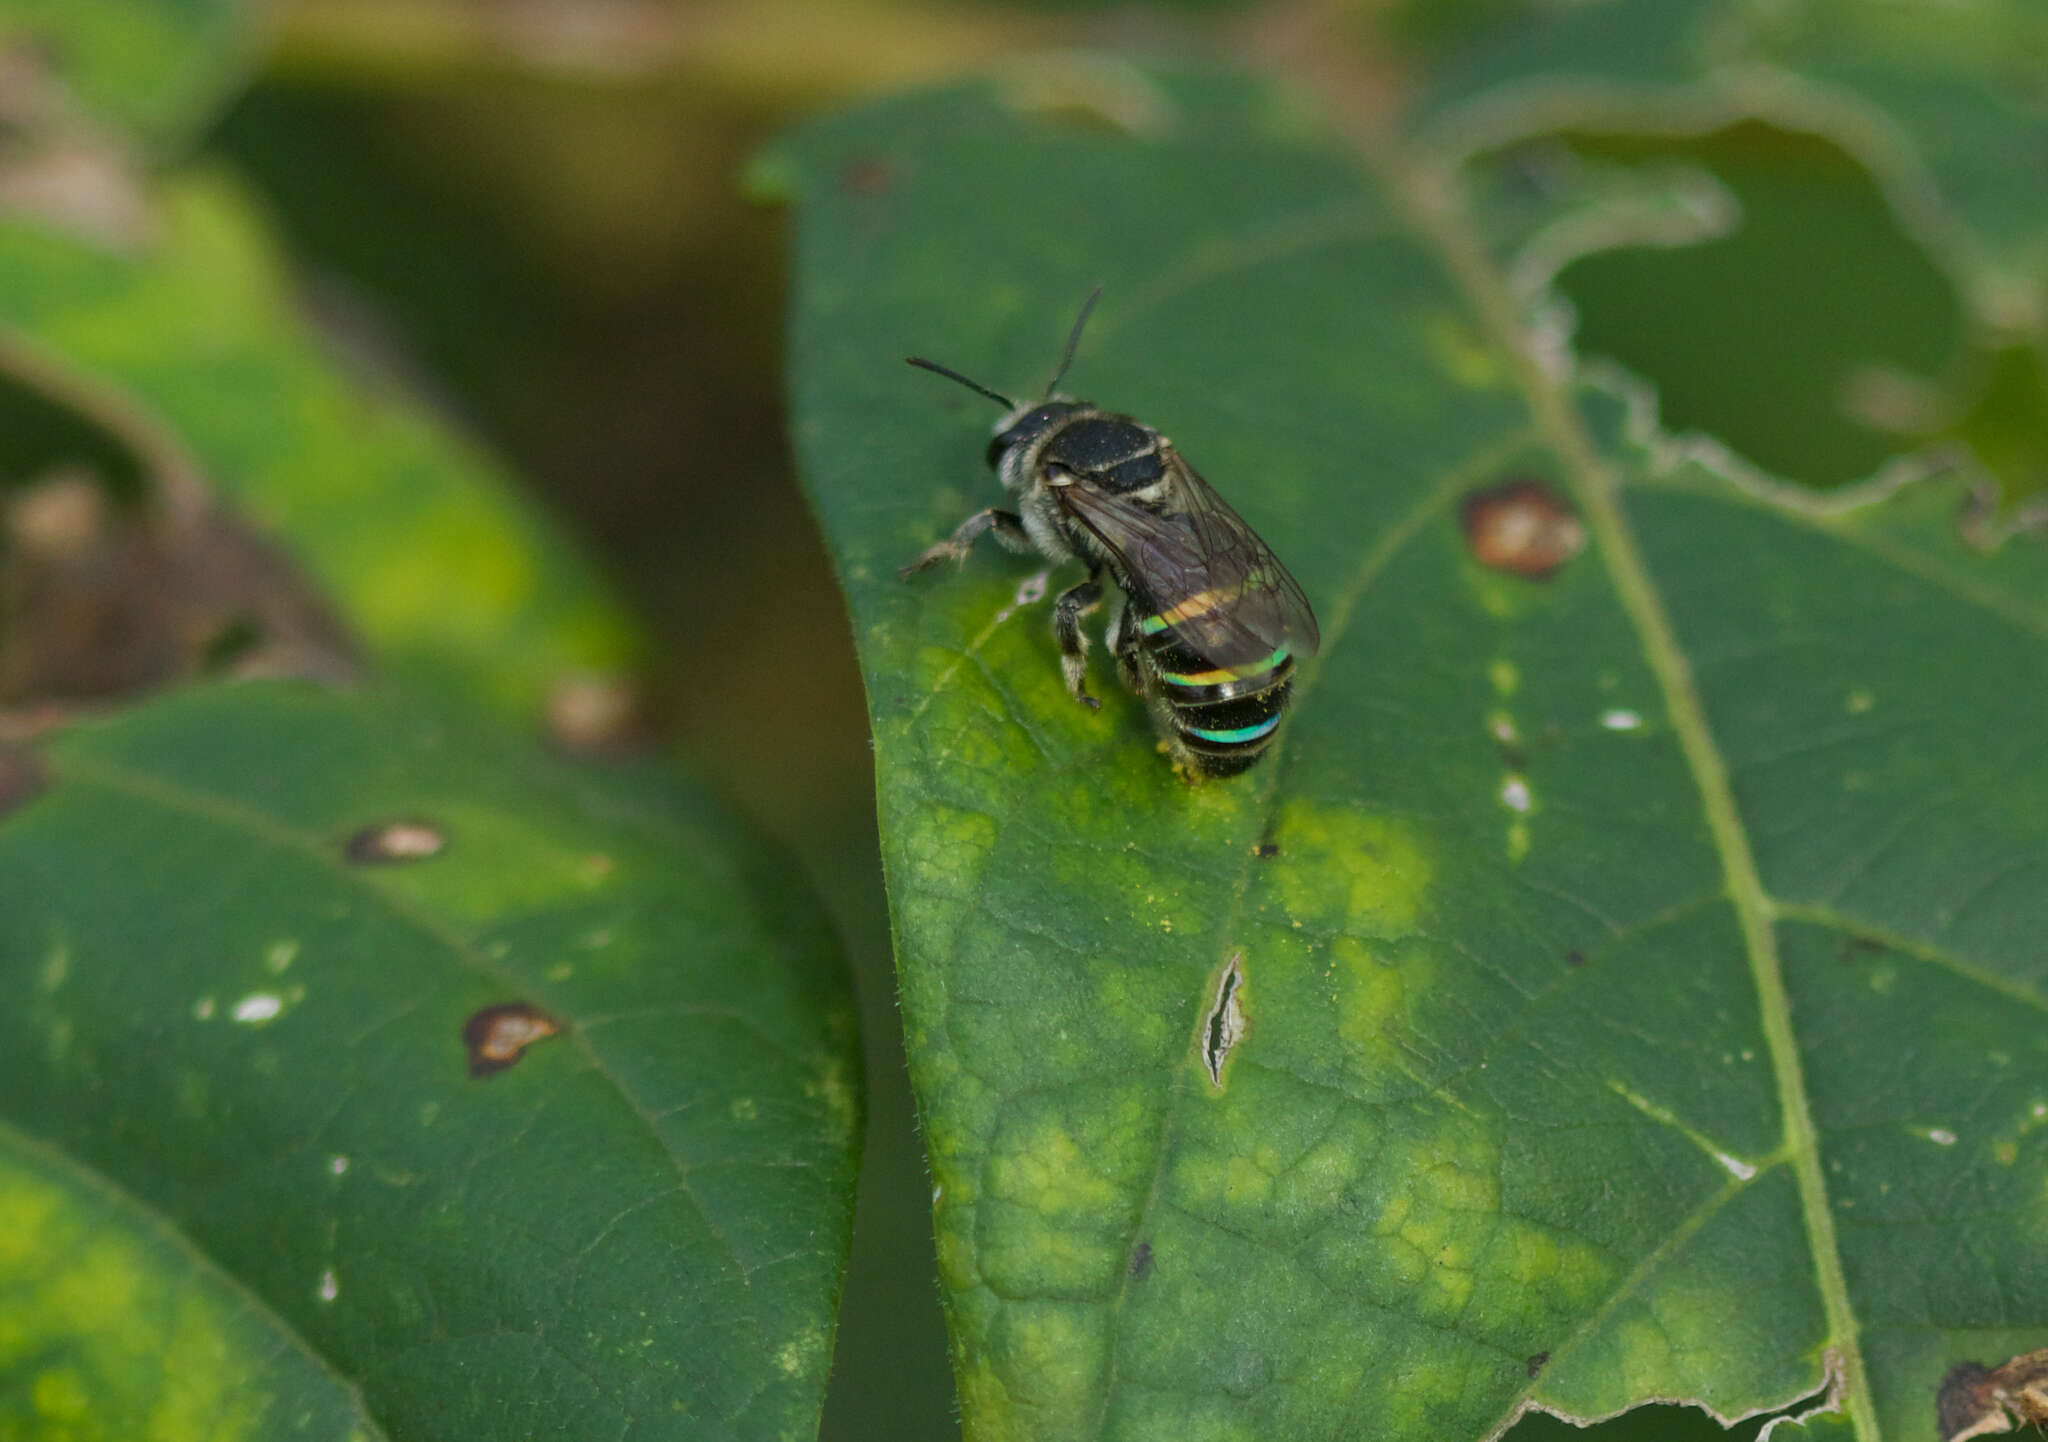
1223,716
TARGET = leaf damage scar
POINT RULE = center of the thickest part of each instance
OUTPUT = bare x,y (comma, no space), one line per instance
1225,1025
498,1036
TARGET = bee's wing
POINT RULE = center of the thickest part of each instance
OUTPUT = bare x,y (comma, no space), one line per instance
1195,553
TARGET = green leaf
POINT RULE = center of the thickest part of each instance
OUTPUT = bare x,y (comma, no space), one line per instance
1637,964
376,1057
412,533
115,1327
150,66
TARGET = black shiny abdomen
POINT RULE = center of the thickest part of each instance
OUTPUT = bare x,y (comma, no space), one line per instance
1223,722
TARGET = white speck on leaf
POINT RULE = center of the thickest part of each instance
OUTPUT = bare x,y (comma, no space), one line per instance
330,1285
337,1164
1737,1168
279,955
1514,794
1619,720
257,1008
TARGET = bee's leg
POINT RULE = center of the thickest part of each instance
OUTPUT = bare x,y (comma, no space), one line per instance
1074,603
1122,640
1008,527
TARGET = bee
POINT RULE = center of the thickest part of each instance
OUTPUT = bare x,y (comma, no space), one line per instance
1204,622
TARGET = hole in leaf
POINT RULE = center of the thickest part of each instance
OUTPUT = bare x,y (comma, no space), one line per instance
46,435
118,572
1765,337
1641,1424
2000,412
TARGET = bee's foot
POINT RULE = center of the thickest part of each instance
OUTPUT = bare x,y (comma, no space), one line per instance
937,555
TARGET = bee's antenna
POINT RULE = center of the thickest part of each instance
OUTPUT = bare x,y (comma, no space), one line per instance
952,375
1073,340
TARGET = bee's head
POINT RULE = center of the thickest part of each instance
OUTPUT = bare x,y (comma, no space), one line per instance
1022,427
1025,425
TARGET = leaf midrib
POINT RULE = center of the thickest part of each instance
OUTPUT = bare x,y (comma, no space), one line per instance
1435,221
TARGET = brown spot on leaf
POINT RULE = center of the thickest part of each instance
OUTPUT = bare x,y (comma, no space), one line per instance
597,715
1141,1260
867,175
498,1036
392,841
1976,1401
21,778
1522,526
1575,957
1537,1363
1266,850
